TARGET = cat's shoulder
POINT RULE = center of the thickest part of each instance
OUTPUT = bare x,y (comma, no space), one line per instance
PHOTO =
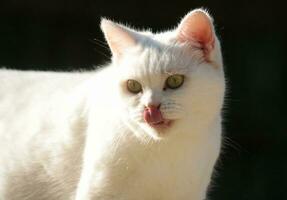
17,81
30,74
10,75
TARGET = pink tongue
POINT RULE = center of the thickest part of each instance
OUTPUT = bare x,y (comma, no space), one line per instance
152,115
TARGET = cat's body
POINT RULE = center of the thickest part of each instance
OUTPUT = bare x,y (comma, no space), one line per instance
40,145
83,136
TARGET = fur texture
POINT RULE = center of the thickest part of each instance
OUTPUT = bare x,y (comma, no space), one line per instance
82,135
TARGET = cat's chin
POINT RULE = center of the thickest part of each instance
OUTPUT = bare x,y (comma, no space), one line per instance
161,126
156,131
159,130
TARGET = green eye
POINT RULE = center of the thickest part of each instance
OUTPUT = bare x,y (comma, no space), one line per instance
174,81
133,86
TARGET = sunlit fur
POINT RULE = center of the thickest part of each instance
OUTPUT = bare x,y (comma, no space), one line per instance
203,83
82,136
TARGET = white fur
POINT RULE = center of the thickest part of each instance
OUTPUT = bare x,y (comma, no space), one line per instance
82,136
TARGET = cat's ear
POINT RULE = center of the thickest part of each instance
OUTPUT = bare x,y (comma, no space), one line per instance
119,37
196,28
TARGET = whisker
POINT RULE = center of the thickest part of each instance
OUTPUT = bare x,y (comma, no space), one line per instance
101,44
136,115
100,52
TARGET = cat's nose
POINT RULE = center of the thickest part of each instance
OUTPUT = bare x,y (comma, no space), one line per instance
153,105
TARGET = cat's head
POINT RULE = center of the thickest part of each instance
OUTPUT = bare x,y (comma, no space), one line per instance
170,82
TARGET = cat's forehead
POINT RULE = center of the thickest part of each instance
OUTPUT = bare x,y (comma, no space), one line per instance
155,59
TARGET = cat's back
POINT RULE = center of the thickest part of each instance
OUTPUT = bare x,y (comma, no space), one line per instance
19,82
27,96
24,87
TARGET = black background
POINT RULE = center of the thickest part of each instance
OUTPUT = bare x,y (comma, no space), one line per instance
59,35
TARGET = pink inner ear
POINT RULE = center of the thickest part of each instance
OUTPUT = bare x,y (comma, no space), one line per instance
197,29
118,37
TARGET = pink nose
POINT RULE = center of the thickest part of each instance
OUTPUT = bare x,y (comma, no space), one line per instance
152,115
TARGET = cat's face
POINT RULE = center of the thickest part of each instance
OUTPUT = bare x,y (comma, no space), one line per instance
166,85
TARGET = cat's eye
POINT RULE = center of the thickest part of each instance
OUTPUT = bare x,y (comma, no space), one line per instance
133,86
174,81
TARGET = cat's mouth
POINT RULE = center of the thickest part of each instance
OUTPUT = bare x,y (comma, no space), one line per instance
153,117
165,123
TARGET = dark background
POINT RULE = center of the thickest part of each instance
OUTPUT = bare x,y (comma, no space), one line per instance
59,35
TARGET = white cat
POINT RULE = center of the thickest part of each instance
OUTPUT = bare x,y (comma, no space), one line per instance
146,127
